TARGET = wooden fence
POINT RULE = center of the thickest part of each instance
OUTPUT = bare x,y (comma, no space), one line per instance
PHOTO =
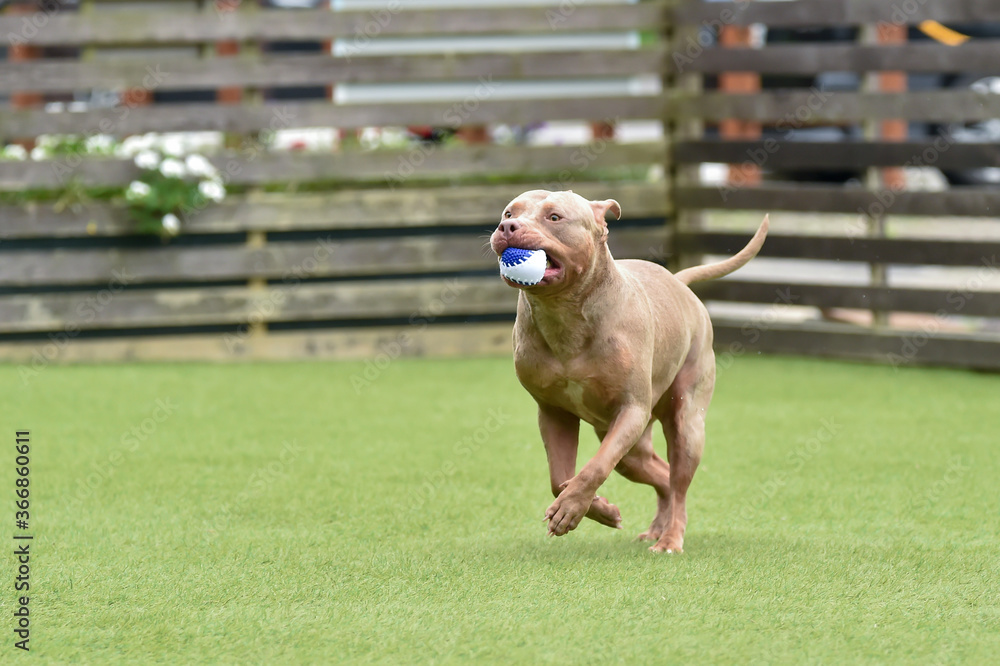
378,253
343,253
874,221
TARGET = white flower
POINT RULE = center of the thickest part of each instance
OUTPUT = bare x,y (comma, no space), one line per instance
173,145
212,190
39,153
99,143
171,224
197,165
137,190
136,143
14,152
395,137
49,140
173,168
370,138
147,159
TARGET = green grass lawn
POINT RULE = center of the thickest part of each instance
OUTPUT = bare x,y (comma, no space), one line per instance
842,514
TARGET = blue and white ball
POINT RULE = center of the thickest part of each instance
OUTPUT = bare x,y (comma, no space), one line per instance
525,267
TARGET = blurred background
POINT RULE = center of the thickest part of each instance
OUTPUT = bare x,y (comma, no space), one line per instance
365,150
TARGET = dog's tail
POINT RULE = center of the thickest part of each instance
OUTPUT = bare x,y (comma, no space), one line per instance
738,260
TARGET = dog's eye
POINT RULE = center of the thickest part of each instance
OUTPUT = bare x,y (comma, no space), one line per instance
507,213
554,217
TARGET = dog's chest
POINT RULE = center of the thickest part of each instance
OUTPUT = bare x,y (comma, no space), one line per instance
573,386
574,394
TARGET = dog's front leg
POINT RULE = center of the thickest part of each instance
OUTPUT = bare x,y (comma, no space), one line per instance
561,435
578,494
560,432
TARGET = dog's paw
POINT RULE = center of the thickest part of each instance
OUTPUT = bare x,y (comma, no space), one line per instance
605,513
566,512
667,544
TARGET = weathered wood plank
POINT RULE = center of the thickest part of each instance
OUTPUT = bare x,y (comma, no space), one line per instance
880,250
942,153
175,73
463,340
241,305
973,56
348,209
950,302
897,348
183,25
245,118
388,167
325,257
815,13
375,343
958,201
797,108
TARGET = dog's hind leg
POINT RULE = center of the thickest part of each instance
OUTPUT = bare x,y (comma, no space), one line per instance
561,435
682,412
642,465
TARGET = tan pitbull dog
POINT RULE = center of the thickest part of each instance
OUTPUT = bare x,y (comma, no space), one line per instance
618,344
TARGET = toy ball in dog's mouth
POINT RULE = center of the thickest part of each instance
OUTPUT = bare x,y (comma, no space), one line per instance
525,267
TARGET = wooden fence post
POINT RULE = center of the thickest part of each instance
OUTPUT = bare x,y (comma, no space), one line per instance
255,239
887,177
692,83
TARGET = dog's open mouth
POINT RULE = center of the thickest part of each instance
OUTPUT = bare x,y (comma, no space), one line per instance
552,268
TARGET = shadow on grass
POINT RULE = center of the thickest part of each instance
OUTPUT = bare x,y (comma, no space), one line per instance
591,548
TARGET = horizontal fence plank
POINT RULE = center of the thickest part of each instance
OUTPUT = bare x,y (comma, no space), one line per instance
246,118
389,167
942,153
440,340
815,13
973,56
958,201
283,261
474,339
879,250
897,348
348,209
274,261
64,75
184,25
792,109
240,305
950,302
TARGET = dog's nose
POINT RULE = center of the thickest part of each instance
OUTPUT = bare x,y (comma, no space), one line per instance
508,227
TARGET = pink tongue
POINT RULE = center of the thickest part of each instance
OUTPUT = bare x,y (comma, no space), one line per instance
551,270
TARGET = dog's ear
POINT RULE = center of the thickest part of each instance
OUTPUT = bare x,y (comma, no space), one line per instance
601,209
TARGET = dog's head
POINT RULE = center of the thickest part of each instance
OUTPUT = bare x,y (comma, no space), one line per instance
570,229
